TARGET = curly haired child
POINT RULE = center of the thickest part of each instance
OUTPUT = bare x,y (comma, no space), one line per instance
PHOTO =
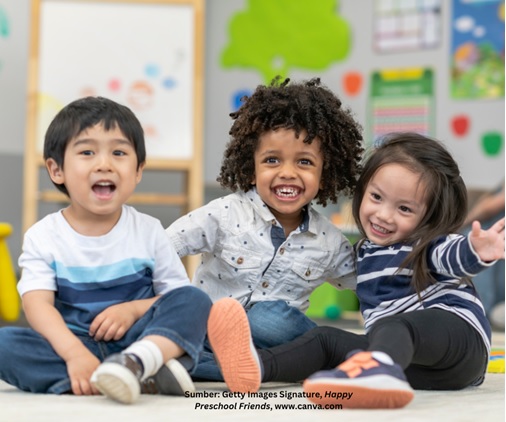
425,326
264,244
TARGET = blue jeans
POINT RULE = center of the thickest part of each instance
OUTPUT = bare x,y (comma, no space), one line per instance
272,323
28,362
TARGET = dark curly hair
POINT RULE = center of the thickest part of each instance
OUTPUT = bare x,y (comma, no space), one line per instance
308,106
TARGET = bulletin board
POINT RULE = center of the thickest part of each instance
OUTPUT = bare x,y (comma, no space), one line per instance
145,54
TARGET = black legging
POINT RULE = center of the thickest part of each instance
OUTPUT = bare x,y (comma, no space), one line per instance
437,350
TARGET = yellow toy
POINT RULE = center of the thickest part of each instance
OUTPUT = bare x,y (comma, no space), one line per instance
9,299
496,362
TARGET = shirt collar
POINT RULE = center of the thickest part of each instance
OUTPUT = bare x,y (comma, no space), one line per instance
265,213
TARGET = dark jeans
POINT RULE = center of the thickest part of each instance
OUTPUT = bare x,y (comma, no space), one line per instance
437,350
28,361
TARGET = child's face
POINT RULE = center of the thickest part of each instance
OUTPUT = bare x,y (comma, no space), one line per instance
287,172
100,173
393,204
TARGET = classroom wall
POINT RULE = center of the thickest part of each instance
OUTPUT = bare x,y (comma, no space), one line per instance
222,86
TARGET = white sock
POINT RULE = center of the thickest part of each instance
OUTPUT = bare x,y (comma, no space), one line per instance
383,358
149,354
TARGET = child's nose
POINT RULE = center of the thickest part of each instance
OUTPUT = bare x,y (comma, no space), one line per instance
103,162
288,171
384,213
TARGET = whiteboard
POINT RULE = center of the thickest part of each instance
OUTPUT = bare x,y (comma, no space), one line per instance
139,54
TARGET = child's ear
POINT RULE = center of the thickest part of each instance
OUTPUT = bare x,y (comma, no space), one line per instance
140,169
55,171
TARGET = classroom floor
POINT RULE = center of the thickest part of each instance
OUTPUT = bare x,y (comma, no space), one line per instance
484,403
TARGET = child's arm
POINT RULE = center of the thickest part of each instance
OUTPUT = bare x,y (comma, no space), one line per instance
113,322
196,232
38,306
488,244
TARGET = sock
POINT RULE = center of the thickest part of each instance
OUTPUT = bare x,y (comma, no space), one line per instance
148,354
382,357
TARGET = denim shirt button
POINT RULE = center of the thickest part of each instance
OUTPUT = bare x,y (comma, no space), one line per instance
265,284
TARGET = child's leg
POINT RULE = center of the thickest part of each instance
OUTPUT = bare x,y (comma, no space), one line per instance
275,322
271,323
28,362
173,326
437,349
317,349
230,338
207,368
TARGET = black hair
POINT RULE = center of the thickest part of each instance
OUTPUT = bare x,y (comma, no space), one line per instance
85,113
445,193
308,106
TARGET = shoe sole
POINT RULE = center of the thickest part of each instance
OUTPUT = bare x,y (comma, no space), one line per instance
230,338
327,391
116,382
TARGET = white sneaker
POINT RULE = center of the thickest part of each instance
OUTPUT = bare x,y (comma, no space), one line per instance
118,378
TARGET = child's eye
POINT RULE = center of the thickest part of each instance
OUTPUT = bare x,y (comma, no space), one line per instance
119,153
405,209
375,196
271,160
306,162
86,152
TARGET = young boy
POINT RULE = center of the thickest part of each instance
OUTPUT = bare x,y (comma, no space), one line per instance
100,281
264,244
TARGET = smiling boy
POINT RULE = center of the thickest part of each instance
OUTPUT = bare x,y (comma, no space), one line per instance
108,301
264,244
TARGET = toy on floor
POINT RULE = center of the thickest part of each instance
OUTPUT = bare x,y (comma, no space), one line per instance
326,302
9,299
496,362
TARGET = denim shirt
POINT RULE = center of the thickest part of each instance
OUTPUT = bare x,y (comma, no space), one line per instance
239,259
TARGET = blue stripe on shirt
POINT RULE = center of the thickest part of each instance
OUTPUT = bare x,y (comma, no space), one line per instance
102,273
133,286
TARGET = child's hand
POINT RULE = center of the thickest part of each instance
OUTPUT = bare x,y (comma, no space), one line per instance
488,244
80,367
113,322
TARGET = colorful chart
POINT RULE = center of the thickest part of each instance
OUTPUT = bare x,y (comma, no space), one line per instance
401,101
406,25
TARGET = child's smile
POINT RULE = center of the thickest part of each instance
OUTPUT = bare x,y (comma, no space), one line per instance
393,204
100,173
104,189
287,192
287,173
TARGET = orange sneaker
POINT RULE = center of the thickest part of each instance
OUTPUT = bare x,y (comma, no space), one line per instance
230,338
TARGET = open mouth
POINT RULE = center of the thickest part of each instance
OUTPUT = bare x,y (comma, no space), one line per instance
103,189
380,229
287,192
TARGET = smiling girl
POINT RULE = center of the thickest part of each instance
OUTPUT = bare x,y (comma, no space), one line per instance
425,327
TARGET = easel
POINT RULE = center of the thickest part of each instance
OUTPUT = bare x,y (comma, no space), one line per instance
191,196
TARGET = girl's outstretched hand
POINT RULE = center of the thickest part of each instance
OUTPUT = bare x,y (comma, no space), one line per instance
488,244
